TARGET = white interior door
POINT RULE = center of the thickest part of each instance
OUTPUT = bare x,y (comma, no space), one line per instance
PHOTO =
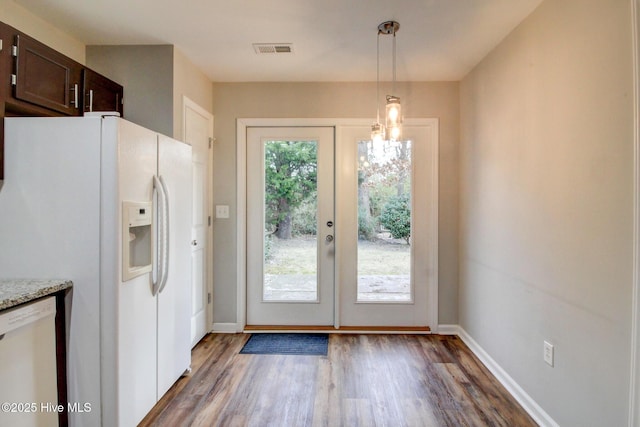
198,131
290,226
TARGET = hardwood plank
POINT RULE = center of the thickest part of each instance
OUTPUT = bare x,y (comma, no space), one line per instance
326,399
365,380
419,412
357,412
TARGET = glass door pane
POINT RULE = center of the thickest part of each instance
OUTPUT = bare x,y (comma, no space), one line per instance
384,222
290,221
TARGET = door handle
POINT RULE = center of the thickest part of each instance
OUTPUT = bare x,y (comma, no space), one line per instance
194,242
329,238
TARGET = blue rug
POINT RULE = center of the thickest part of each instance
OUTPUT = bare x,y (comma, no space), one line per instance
298,344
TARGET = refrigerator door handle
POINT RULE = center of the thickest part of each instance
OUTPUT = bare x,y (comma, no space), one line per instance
154,269
158,246
165,235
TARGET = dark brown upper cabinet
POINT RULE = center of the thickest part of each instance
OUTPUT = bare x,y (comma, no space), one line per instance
36,80
101,93
46,78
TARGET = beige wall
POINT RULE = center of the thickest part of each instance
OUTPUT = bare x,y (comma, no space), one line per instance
28,23
329,100
146,72
546,204
188,81
155,78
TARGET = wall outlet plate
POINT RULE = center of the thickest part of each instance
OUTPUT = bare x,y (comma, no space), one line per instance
222,211
548,353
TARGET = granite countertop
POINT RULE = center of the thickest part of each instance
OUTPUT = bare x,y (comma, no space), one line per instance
18,291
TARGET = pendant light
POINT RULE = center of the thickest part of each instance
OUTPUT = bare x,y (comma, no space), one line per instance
393,116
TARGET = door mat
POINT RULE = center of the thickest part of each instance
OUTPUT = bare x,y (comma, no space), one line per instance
297,344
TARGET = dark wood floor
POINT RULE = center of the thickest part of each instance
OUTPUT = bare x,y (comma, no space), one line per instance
366,380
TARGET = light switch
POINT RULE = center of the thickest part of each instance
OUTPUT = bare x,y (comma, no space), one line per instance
222,211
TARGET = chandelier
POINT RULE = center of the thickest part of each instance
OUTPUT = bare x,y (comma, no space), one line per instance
393,112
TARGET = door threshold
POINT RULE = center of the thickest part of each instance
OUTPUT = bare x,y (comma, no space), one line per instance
341,330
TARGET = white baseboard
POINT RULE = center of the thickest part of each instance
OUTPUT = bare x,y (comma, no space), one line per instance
533,409
448,330
225,328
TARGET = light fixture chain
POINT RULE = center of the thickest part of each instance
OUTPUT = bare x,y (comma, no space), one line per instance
393,89
378,79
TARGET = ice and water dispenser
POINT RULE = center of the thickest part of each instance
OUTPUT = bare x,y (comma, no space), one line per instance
137,244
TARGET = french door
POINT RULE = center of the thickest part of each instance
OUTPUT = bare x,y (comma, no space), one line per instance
347,234
387,207
290,226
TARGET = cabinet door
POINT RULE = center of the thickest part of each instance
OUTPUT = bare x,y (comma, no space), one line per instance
100,93
45,77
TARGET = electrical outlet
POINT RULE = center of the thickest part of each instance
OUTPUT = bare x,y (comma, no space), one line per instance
548,353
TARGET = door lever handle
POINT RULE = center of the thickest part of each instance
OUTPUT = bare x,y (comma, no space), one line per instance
194,243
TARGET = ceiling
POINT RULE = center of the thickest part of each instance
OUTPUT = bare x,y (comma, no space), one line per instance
333,40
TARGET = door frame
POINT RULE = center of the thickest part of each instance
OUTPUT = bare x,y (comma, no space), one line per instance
634,369
241,196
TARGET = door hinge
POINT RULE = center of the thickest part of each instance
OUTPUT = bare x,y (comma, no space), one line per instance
209,220
211,141
14,50
208,297
14,80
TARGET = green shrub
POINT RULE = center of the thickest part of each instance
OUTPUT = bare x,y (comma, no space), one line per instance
366,225
396,217
303,217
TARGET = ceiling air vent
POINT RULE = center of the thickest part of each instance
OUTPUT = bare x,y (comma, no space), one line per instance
261,48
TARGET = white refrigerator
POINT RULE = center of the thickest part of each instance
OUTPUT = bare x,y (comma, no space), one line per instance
107,204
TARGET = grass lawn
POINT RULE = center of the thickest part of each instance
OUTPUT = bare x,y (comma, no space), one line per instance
298,256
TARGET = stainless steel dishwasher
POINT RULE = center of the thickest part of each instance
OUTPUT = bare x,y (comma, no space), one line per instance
28,388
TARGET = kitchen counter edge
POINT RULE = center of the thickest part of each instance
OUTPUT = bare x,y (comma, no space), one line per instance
14,292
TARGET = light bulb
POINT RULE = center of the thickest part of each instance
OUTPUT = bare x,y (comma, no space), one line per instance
393,114
395,133
377,132
393,111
